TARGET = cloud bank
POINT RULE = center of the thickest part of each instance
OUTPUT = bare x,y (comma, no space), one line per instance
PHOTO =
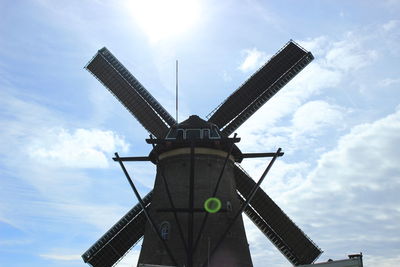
83,148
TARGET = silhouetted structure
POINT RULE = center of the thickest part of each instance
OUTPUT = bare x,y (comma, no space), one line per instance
197,160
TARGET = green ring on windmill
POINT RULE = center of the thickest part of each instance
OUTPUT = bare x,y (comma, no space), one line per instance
212,205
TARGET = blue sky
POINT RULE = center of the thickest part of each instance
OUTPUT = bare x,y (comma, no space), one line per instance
337,121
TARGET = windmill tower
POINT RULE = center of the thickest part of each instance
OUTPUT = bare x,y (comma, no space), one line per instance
198,172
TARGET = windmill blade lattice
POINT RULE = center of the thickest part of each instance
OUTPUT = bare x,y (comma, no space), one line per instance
130,92
275,224
260,87
117,241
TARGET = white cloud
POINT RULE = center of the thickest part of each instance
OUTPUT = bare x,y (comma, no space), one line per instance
254,59
81,149
50,188
350,55
382,261
391,25
318,45
311,81
363,156
310,120
315,115
343,195
389,82
281,105
349,201
336,62
282,177
352,192
388,39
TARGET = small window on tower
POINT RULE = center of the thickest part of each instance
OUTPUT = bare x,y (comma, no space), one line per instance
206,134
214,133
172,134
180,134
228,206
164,230
192,134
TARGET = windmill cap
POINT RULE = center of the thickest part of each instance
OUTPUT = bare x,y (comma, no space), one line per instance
194,121
194,129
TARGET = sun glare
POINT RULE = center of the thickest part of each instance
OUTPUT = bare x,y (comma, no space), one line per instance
161,19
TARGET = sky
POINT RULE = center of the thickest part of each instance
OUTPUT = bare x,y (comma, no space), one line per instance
338,121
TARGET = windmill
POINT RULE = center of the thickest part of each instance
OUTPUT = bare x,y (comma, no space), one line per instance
198,173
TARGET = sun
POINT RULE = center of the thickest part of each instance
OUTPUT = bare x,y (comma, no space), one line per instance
161,19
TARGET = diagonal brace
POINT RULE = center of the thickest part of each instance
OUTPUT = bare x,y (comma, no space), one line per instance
251,195
171,202
144,209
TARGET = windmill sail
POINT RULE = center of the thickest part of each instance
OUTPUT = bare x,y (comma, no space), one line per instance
130,92
260,87
275,224
117,241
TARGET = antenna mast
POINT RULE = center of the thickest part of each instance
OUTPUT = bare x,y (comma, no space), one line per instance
176,91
